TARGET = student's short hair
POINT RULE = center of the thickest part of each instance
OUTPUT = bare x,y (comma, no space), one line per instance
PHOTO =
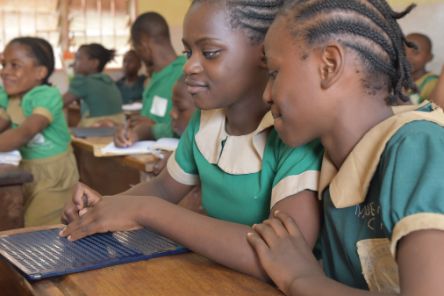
150,24
253,16
369,28
425,38
99,52
41,50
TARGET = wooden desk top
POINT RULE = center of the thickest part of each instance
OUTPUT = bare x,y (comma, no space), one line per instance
185,274
12,175
142,162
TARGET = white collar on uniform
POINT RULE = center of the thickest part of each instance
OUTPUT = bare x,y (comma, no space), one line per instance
349,185
239,154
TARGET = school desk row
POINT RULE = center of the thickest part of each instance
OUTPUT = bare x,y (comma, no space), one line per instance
186,274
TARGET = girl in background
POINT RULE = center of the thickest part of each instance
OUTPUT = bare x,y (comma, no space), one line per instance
101,101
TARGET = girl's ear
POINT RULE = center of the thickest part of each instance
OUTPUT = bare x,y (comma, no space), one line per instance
263,63
41,72
332,64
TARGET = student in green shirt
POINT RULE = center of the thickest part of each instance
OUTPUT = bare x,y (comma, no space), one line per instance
150,37
43,138
230,147
131,84
335,68
101,101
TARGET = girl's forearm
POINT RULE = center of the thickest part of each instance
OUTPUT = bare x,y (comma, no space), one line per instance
221,241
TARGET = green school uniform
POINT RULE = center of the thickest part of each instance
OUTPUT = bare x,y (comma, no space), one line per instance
425,85
98,93
55,138
3,104
133,92
242,177
48,156
157,97
383,191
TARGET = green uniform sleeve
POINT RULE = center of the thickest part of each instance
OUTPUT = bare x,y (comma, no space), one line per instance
412,188
3,104
43,101
162,130
3,99
78,86
181,165
297,170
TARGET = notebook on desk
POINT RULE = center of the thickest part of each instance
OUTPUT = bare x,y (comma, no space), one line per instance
42,254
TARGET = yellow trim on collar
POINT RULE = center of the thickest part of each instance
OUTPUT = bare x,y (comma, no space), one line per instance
349,185
44,112
239,154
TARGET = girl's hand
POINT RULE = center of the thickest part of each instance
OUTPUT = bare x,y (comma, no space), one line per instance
283,251
125,137
83,198
110,214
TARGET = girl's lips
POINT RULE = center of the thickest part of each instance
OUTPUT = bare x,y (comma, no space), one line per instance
196,89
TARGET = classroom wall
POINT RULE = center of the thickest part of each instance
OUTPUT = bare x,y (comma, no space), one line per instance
173,11
427,18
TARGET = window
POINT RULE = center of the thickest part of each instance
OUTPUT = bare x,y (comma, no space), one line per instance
67,24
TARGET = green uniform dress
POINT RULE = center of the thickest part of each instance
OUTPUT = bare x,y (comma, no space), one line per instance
383,191
100,98
48,156
157,98
3,104
242,177
131,93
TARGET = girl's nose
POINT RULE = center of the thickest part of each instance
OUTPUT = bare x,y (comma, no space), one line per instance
192,66
266,96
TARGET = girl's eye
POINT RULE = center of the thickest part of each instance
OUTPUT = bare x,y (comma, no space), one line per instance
211,54
187,53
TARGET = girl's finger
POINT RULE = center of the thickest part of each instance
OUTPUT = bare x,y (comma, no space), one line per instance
258,244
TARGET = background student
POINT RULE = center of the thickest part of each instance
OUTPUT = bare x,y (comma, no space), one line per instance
437,96
131,84
100,98
43,137
150,37
418,58
333,67
230,147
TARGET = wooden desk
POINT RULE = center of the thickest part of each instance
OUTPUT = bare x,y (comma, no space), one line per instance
109,175
11,196
186,274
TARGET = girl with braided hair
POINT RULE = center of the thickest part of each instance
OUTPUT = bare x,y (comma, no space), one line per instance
230,147
334,68
43,137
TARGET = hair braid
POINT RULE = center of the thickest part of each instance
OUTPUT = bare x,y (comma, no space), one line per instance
369,28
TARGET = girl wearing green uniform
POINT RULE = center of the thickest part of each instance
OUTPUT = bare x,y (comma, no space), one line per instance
43,138
230,147
335,68
101,101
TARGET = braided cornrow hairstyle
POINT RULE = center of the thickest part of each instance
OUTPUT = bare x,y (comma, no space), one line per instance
41,50
369,28
99,52
252,16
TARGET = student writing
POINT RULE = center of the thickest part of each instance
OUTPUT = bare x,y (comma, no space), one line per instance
335,67
230,147
150,37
